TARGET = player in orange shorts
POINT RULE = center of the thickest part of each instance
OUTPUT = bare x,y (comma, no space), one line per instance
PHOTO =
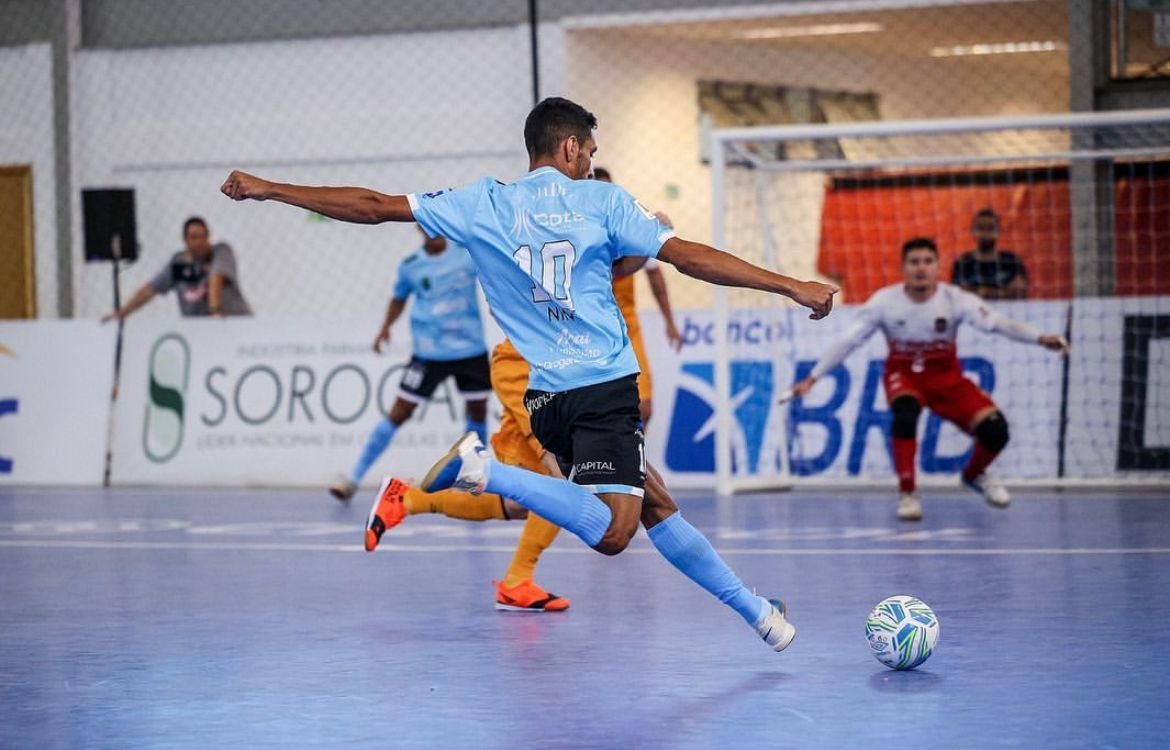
513,444
623,291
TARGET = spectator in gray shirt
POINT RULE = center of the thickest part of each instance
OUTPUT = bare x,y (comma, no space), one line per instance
203,276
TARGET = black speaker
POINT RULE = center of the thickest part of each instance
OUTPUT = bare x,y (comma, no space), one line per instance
108,214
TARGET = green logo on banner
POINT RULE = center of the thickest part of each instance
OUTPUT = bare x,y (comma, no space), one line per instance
162,425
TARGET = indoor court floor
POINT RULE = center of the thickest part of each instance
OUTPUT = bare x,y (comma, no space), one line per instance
145,618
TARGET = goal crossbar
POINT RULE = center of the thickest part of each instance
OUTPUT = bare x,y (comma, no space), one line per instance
940,126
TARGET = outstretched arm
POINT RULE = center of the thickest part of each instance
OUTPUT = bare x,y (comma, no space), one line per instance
857,335
662,297
986,318
393,312
717,267
352,204
144,294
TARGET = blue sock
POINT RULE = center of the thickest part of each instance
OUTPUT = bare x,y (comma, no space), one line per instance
688,550
479,428
568,505
375,444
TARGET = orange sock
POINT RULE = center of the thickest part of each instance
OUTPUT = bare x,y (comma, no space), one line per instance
538,534
455,504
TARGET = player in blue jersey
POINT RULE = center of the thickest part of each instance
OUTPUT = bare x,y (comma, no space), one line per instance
447,338
545,248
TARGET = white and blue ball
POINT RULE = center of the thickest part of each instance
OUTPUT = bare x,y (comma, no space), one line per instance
902,632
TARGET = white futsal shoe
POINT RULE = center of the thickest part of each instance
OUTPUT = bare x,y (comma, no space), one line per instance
774,628
909,507
465,468
993,492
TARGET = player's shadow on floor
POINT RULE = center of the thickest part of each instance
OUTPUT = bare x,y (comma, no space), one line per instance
684,716
716,704
905,681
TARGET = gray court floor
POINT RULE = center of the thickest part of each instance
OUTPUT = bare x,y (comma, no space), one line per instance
211,618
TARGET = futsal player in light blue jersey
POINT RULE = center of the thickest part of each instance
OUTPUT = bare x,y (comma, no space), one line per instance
447,341
545,247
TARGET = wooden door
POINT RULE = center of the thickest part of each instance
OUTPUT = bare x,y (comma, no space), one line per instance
18,291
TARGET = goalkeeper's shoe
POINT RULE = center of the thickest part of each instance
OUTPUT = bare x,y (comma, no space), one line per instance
465,467
526,596
909,507
387,512
774,627
993,492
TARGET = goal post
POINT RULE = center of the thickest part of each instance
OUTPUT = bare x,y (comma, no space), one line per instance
1082,200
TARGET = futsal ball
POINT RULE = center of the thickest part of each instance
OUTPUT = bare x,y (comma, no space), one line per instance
902,632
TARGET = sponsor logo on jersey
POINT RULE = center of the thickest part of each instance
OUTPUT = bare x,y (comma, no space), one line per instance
523,220
940,325
559,219
521,223
595,467
551,190
538,402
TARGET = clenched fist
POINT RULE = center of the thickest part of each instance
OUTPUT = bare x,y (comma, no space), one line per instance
242,186
815,296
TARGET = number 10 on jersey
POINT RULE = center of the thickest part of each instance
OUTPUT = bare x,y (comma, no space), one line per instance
551,269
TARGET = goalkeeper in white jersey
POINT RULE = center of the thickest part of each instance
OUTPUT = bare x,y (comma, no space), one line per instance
920,318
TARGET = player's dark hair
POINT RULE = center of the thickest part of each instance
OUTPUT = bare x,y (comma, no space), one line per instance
918,243
193,221
554,120
985,213
601,173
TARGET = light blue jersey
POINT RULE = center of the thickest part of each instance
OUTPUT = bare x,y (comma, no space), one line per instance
545,247
444,318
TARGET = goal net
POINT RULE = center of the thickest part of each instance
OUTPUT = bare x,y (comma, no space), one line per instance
1081,200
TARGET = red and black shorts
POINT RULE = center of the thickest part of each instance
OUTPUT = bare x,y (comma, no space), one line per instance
943,390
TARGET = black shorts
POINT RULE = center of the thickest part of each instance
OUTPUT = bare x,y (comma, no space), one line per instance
595,432
422,377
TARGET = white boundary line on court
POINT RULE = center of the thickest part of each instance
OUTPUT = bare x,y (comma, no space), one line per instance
388,549
819,490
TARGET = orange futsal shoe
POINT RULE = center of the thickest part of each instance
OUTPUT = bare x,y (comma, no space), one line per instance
526,596
388,510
